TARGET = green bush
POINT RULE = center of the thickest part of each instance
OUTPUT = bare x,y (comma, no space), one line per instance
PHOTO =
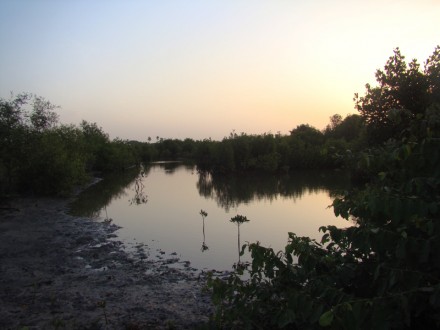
55,161
37,155
381,272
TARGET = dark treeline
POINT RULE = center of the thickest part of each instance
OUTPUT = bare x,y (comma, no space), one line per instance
304,148
41,156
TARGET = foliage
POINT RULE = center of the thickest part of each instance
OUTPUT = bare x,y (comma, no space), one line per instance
54,161
402,88
382,272
204,214
43,116
305,148
116,156
96,140
239,219
39,155
349,129
22,117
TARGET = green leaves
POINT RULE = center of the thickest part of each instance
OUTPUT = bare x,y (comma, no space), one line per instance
326,319
382,270
40,155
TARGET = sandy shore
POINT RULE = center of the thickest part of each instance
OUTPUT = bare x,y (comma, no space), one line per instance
63,272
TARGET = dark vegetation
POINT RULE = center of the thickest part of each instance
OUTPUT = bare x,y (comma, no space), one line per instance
304,148
382,272
41,156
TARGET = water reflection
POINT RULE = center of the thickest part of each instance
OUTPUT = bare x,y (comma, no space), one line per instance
91,201
97,197
228,191
157,204
107,219
232,190
139,197
171,166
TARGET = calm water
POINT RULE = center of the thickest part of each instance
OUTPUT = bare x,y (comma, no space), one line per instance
161,209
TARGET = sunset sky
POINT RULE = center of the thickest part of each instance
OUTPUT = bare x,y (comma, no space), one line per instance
201,69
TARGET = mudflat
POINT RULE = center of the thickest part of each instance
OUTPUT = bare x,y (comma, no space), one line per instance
59,271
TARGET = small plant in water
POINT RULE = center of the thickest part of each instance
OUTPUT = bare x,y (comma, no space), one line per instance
204,214
239,219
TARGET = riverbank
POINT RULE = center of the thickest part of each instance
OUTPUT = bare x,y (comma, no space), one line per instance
58,271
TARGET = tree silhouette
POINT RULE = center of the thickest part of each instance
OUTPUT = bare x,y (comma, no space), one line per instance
404,92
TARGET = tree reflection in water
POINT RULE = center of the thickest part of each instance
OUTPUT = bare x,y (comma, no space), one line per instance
92,200
139,195
229,191
167,212
98,196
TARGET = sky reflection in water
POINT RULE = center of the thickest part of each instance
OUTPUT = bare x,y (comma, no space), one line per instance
162,209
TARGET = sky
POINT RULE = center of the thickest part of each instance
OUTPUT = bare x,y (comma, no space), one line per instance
202,69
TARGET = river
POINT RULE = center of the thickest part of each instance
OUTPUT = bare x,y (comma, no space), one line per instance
161,208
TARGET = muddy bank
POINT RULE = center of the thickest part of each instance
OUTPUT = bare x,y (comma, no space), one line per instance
63,272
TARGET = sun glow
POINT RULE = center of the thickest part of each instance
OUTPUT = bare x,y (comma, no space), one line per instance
196,70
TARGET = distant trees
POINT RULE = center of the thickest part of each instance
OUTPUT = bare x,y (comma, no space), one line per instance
42,116
96,139
404,92
52,161
305,148
28,141
35,148
381,272
39,155
306,143
11,127
350,128
309,135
